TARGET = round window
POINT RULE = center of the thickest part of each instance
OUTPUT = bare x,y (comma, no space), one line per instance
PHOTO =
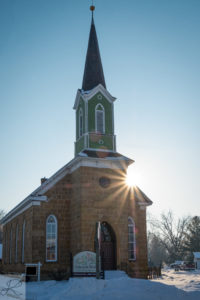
104,182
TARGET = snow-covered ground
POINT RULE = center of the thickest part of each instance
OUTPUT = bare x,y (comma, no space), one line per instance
188,281
12,288
117,285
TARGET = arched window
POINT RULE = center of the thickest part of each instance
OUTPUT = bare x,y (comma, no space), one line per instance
100,119
5,250
80,122
131,239
51,238
23,240
16,244
10,246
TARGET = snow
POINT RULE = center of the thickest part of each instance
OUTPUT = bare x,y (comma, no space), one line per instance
15,285
188,281
182,285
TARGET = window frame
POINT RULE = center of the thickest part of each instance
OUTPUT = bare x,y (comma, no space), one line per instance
16,243
23,240
56,238
103,113
6,247
10,250
80,123
131,224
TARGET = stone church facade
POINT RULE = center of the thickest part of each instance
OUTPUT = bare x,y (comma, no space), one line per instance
58,219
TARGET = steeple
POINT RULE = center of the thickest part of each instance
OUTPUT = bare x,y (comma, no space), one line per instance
93,73
94,105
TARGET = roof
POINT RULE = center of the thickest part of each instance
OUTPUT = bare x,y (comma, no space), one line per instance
87,95
141,197
102,159
196,254
93,73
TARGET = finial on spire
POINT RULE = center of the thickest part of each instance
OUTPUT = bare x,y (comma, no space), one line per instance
92,8
93,72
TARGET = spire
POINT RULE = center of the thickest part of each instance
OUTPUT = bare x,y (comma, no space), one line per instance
93,73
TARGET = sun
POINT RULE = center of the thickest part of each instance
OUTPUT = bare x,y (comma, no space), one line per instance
133,177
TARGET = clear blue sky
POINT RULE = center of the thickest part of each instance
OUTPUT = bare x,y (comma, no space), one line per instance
150,51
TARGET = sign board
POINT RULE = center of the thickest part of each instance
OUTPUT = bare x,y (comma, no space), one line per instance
84,262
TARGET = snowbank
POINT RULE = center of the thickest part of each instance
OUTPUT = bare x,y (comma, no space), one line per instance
116,286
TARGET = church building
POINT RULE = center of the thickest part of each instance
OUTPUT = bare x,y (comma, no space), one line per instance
58,219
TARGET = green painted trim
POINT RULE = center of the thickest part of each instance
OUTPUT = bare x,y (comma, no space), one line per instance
92,103
79,145
97,141
81,105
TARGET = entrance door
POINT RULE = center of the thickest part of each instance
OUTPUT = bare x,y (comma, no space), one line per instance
108,251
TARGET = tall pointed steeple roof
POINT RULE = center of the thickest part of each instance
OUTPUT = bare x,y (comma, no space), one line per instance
93,73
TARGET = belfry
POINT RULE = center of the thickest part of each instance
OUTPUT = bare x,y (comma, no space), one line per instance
58,220
94,104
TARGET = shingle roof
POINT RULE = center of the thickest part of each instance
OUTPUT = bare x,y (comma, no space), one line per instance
93,73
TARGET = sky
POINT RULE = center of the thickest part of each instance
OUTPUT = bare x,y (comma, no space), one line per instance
150,54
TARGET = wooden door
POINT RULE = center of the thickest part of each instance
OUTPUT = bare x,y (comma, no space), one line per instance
107,247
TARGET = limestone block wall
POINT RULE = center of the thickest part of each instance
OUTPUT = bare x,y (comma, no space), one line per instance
12,247
114,204
58,204
35,234
78,201
139,267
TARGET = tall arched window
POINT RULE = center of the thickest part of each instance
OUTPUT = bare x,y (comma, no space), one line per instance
23,240
51,238
5,250
10,246
131,239
100,119
16,244
80,122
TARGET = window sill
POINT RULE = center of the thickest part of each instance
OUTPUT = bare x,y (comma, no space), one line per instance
132,259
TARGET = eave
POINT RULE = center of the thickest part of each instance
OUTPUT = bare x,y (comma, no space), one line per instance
38,195
87,95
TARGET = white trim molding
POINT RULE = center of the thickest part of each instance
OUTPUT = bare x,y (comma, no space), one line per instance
87,95
80,123
131,239
56,236
81,160
96,119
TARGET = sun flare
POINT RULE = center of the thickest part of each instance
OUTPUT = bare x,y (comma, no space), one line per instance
133,178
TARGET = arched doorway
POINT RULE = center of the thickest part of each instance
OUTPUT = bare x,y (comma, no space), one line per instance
108,247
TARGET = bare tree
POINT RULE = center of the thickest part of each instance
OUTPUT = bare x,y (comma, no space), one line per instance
173,234
170,233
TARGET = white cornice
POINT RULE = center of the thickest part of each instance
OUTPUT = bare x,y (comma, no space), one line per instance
14,213
102,163
89,94
38,196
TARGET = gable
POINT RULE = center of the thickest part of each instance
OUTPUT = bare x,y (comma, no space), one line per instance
89,94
